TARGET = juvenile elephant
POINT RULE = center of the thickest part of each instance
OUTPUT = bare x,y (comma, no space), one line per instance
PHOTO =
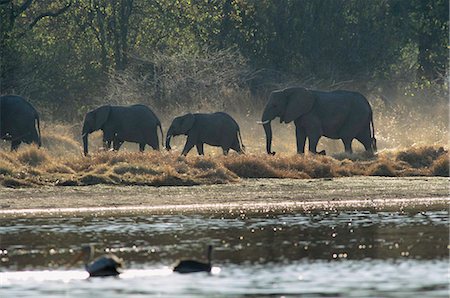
344,115
19,121
136,124
216,129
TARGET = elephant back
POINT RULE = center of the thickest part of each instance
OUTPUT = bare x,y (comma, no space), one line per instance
146,111
227,118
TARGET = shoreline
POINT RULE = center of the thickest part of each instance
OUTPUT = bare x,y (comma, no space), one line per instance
377,204
257,195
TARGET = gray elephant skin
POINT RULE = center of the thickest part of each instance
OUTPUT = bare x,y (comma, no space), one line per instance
135,123
19,121
344,115
215,129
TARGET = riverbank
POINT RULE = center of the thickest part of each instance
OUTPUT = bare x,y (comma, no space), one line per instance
32,167
256,194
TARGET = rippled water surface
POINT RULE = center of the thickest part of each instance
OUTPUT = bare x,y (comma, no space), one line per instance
351,253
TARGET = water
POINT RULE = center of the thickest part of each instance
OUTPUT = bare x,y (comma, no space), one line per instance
279,253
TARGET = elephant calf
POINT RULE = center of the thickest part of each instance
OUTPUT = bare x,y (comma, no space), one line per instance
18,121
135,123
216,129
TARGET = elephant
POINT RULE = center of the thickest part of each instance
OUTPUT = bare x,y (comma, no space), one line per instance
135,123
19,121
216,129
341,114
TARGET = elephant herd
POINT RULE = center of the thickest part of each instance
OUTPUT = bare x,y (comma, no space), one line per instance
341,114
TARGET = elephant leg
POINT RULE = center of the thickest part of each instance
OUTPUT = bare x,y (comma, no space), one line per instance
365,137
366,142
107,140
236,147
200,149
301,138
117,144
348,145
187,147
141,147
313,140
153,140
15,144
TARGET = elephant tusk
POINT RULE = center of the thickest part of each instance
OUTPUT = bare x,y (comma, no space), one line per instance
263,122
83,135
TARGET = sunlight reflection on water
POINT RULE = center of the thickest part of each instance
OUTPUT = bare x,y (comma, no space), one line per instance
352,253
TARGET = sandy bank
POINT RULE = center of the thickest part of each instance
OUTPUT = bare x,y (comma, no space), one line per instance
354,192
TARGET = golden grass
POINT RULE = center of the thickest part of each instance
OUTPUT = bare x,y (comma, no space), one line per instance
420,157
440,166
63,164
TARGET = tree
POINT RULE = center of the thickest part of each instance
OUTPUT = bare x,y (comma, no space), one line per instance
16,21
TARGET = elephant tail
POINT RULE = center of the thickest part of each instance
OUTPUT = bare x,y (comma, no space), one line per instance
39,130
374,140
240,140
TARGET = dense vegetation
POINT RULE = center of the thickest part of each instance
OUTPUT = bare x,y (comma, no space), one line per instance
69,55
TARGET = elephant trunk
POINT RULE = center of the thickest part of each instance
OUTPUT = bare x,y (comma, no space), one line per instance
85,143
268,130
168,137
266,122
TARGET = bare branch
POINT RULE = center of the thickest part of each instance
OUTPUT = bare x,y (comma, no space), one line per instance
49,14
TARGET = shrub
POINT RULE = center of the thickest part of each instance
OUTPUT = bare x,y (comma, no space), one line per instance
421,156
247,166
441,166
382,167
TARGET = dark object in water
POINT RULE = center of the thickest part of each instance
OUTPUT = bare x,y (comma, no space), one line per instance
106,265
192,266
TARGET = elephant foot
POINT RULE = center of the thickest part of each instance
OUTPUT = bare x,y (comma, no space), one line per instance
323,152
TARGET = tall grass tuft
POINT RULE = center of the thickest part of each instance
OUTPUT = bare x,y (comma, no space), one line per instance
421,157
250,167
32,156
440,166
382,167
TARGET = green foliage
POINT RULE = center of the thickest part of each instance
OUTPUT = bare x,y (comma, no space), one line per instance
61,53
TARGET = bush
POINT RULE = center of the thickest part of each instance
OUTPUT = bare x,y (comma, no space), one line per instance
440,166
420,157
382,167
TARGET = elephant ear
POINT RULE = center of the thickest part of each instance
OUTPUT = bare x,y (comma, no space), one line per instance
299,102
187,122
101,115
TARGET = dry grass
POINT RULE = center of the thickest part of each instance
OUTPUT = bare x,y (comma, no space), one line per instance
61,163
31,166
440,166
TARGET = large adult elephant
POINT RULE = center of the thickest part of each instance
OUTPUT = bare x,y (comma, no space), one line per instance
344,115
19,121
215,129
135,123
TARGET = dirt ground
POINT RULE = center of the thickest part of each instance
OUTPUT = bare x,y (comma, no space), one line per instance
264,194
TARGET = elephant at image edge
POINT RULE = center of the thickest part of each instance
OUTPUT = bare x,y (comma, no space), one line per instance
135,123
215,129
344,115
19,121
